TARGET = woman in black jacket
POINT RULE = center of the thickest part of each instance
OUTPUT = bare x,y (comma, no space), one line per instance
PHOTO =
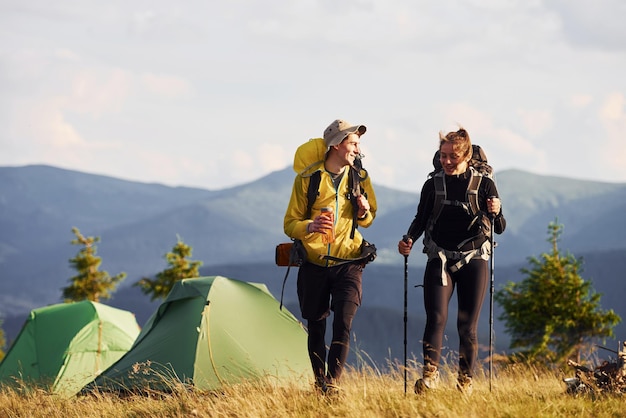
456,240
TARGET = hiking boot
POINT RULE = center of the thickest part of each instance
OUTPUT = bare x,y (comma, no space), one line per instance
321,384
464,384
327,387
333,390
429,380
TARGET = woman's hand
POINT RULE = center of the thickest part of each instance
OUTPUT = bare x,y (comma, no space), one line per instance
494,206
404,247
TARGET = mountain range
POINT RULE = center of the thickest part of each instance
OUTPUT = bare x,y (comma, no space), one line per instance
234,232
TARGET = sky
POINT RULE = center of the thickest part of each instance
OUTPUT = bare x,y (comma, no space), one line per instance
214,94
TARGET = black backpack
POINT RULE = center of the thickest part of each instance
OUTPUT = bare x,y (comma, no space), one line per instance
480,168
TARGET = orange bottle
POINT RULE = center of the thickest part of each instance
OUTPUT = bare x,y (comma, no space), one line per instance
329,236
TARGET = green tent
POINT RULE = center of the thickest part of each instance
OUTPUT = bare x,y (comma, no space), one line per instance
210,332
63,347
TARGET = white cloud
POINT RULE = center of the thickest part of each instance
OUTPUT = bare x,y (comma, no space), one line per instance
593,25
613,108
613,118
165,85
580,100
536,122
141,20
271,157
45,127
96,92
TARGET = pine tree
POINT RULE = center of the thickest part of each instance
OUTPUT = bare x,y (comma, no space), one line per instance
179,268
554,314
89,284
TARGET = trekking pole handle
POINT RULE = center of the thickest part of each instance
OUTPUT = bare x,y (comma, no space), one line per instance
492,215
405,239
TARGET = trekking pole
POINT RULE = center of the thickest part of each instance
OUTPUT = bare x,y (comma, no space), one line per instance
491,290
406,279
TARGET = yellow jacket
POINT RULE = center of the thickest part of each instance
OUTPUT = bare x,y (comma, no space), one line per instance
308,159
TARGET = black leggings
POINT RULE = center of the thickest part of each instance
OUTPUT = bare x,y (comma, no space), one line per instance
471,282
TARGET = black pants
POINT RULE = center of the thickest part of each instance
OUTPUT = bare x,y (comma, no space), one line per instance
320,290
471,283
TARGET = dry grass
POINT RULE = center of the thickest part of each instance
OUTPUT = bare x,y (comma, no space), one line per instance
518,391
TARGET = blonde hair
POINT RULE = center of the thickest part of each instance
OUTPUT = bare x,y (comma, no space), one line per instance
460,140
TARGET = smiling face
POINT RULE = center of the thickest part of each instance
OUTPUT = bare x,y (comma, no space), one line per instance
454,161
348,149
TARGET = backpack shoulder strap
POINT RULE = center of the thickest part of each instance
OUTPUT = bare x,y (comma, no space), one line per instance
312,192
440,196
478,215
354,181
472,191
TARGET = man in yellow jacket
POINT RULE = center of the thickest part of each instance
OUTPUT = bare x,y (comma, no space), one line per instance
327,284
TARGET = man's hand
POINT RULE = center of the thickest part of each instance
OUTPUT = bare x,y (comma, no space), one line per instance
364,206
